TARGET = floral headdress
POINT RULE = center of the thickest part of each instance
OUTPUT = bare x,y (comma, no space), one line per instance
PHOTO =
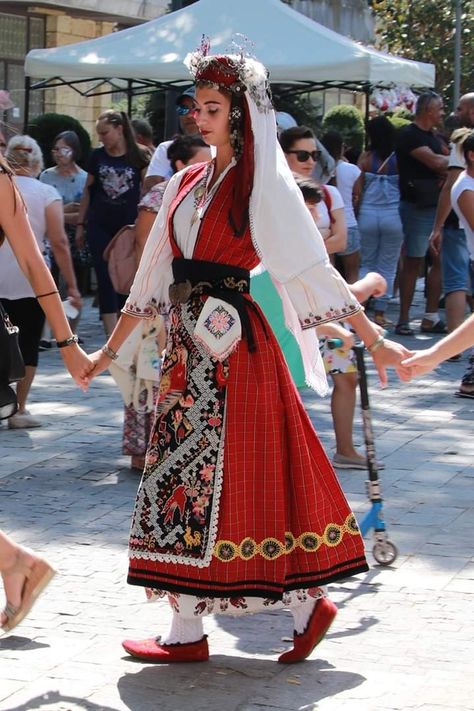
233,72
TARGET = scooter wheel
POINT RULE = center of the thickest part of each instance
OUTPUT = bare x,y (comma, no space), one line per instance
385,553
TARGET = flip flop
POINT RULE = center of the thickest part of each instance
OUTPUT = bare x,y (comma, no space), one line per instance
438,327
403,329
37,577
468,396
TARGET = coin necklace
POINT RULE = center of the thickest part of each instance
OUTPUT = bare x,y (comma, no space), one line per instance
201,195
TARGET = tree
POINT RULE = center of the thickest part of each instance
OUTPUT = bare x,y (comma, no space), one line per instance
424,30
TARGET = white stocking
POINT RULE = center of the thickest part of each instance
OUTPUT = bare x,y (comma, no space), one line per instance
183,630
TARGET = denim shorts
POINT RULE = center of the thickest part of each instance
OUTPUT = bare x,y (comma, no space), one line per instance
353,242
417,226
455,262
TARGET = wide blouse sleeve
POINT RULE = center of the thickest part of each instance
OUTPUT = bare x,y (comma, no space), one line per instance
149,293
292,249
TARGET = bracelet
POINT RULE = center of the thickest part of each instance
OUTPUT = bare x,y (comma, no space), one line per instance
68,341
107,350
49,293
378,343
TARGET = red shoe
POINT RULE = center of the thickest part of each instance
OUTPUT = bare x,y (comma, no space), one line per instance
320,621
151,651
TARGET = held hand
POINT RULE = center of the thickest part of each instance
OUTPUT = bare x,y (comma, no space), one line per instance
421,362
78,364
100,362
347,339
391,354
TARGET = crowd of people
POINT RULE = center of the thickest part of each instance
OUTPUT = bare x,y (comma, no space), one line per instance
221,525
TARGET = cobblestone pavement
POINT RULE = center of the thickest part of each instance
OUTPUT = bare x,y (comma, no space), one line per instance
403,638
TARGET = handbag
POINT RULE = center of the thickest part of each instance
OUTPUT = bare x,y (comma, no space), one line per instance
12,367
425,191
120,255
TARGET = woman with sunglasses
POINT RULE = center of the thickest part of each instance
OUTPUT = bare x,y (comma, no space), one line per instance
110,201
160,168
299,146
69,179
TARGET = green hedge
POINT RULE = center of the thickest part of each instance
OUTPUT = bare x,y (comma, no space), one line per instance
349,122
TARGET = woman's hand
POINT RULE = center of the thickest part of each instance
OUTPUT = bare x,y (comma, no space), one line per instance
100,362
75,297
421,362
78,364
392,354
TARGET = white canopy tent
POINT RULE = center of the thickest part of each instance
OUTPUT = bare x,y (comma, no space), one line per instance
295,49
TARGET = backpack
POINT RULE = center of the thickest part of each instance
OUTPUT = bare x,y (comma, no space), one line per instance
121,256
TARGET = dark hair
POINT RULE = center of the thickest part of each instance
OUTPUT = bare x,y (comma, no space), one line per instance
381,136
133,154
184,148
71,139
424,100
289,137
333,143
312,192
142,127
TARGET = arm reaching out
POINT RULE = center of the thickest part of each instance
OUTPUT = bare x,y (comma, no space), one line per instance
422,362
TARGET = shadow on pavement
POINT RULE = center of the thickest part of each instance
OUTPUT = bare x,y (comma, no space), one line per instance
55,701
233,683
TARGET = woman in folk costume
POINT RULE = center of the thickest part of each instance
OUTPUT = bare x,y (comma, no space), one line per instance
239,509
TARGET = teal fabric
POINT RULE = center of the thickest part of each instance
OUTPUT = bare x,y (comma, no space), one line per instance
267,297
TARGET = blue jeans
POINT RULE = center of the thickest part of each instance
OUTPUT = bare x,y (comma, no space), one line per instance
381,237
417,226
455,261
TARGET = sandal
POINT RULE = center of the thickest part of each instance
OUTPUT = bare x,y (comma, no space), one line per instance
438,327
380,320
37,576
403,329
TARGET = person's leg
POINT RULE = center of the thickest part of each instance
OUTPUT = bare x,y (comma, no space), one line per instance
390,241
24,576
343,402
416,231
433,292
350,257
98,238
29,317
369,240
350,263
455,272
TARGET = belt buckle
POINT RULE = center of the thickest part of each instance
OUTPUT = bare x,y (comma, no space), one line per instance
179,293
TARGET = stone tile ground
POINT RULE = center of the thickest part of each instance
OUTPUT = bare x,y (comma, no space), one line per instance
404,636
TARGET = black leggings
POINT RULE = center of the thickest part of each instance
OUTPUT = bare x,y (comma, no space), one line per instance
28,315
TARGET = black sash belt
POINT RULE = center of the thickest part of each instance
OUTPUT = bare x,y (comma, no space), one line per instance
195,277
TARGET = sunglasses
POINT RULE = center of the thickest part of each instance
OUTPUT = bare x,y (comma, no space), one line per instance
303,156
3,145
182,110
62,151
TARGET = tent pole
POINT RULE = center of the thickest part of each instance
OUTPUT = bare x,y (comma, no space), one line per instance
129,98
26,111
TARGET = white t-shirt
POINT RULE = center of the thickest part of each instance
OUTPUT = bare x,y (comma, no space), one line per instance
463,183
346,175
159,164
324,221
456,158
37,197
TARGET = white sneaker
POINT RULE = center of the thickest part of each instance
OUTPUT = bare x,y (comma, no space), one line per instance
22,421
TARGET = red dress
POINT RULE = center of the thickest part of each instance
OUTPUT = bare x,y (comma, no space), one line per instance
238,496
